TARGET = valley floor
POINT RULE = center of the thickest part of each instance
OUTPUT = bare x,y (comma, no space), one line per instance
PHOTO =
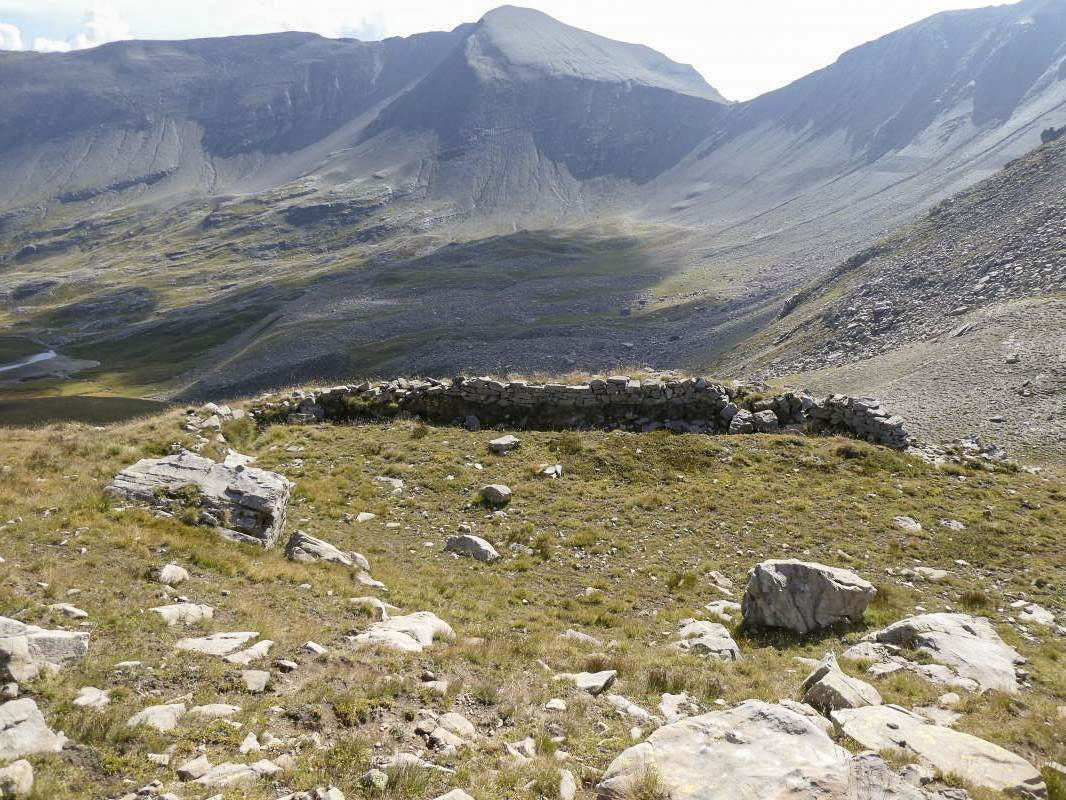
621,547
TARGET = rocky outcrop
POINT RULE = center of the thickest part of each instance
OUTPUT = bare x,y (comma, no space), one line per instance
692,405
803,597
244,503
976,761
26,650
756,750
968,645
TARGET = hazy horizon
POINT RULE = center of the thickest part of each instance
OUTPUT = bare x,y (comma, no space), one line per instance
742,52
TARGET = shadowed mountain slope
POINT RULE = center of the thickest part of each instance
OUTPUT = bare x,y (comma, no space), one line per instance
513,194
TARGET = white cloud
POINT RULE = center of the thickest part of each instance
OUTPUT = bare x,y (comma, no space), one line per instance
102,24
10,37
42,45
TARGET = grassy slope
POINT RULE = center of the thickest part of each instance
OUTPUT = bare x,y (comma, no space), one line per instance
640,518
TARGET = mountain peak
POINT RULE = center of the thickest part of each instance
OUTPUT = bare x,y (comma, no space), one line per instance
516,39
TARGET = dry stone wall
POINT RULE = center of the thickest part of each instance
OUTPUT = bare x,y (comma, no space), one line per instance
691,405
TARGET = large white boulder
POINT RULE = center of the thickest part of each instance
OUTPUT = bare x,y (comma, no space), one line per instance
16,780
24,732
976,761
756,751
243,503
408,633
471,546
803,597
968,645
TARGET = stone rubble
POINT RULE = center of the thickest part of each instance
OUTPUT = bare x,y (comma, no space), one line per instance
690,405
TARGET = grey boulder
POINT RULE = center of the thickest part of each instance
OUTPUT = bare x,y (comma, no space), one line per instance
471,546
976,761
496,494
828,688
703,638
16,780
504,445
23,731
304,548
26,650
968,645
803,597
592,682
244,503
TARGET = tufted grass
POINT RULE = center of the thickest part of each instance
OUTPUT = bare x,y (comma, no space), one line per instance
624,543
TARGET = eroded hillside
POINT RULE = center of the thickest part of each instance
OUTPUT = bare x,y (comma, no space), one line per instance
957,320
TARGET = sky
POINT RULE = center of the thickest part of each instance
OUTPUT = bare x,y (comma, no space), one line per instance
741,47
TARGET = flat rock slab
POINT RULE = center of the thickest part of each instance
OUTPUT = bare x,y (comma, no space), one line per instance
26,650
981,763
803,597
24,732
245,503
968,645
225,775
473,547
592,682
91,697
703,638
410,633
302,547
254,653
164,718
217,644
756,750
